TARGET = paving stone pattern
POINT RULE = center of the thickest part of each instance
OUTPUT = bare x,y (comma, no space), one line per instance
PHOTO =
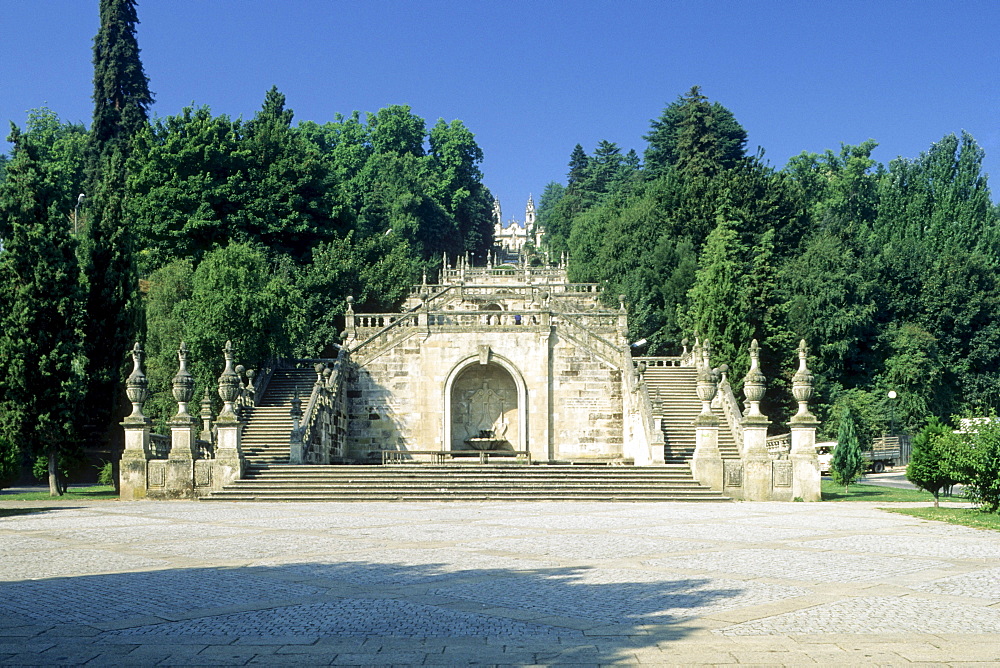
144,583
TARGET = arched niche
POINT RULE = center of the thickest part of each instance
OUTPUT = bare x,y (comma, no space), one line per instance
485,397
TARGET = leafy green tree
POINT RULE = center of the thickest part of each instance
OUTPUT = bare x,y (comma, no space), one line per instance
848,464
121,101
978,463
930,466
694,134
578,166
235,293
121,88
376,271
455,157
41,351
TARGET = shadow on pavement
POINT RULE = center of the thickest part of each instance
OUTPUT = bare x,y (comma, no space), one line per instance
358,612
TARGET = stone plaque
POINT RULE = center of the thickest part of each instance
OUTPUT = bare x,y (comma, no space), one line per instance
781,473
734,472
157,474
203,474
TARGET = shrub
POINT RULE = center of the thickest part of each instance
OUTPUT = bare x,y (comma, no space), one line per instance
931,466
978,464
848,464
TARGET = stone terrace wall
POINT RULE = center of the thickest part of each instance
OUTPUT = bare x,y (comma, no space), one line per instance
572,404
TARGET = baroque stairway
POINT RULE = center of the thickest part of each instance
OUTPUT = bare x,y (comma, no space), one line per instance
269,423
270,478
672,390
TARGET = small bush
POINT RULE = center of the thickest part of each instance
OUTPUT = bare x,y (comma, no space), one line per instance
106,475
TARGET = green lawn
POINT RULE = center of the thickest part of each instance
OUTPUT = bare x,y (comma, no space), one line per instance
92,493
965,516
861,492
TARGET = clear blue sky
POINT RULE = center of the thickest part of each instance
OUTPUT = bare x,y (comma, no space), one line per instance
532,79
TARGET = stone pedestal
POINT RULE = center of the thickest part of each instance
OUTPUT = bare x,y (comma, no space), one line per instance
297,449
229,464
756,460
706,464
179,476
133,467
805,465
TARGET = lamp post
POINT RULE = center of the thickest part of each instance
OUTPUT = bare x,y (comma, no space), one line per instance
76,209
892,411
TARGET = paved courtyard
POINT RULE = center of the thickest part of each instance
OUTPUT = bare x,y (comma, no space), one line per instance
530,583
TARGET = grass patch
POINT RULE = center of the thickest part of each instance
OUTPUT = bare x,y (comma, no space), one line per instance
93,493
968,517
861,492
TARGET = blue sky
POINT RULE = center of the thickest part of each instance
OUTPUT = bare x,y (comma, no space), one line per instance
532,79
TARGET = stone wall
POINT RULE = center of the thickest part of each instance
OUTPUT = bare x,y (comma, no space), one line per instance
419,394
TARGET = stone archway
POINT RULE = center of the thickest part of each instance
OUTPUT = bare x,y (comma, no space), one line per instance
485,403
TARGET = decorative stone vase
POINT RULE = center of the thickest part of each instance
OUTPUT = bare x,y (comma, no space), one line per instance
183,384
802,385
229,384
137,385
754,382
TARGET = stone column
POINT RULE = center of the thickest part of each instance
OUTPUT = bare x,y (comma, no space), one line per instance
133,469
229,464
179,479
805,465
706,463
756,460
297,446
349,325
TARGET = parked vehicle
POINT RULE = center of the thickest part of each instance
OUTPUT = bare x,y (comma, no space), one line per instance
824,453
885,452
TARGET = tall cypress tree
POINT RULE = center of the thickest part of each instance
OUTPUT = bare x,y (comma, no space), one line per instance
121,99
41,350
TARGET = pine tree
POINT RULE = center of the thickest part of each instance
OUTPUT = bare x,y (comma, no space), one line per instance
41,352
121,88
848,464
121,99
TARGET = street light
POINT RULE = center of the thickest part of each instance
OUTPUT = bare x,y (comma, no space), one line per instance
79,201
892,411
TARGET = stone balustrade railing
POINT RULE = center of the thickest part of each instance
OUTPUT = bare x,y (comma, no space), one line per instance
320,437
159,446
658,361
731,409
779,446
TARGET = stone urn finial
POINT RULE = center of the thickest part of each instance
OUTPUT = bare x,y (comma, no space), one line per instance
707,380
183,383
621,302
684,346
802,386
229,385
137,386
350,304
754,383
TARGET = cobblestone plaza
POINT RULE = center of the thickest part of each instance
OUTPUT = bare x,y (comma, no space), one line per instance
189,583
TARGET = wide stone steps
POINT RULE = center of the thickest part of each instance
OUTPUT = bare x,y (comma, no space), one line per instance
466,482
673,392
269,423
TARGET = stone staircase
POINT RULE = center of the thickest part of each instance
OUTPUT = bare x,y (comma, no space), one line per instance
673,392
269,477
269,424
466,482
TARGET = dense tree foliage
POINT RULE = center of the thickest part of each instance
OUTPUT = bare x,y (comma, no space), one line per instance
41,315
890,273
259,229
